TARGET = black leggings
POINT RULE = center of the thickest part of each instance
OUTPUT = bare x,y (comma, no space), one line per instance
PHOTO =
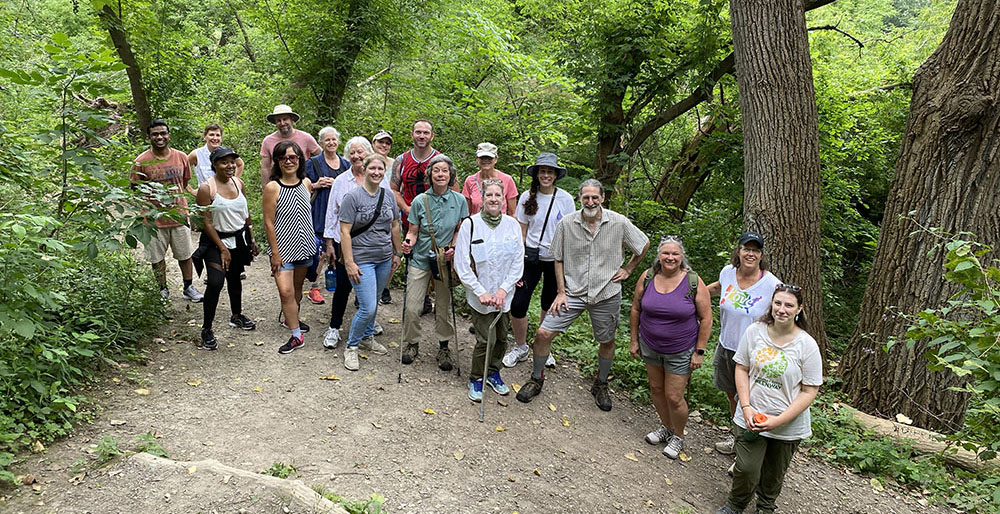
216,277
340,296
532,274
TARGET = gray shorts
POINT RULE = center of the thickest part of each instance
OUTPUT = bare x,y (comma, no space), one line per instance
725,370
675,363
603,317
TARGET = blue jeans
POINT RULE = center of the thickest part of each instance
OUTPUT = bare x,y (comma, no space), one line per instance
374,277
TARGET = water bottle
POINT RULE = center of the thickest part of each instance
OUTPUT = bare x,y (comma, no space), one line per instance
331,278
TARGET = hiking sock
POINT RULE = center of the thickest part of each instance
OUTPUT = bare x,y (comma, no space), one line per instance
297,333
538,366
603,368
443,345
188,282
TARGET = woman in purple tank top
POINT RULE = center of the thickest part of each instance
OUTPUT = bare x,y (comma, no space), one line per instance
671,320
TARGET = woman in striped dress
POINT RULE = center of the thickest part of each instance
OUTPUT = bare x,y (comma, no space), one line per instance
288,219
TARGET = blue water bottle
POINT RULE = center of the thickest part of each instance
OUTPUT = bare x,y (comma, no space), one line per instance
331,278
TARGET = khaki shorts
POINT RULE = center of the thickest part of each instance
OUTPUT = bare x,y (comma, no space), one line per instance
603,317
177,238
676,363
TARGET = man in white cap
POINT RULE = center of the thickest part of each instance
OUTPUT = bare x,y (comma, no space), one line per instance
284,118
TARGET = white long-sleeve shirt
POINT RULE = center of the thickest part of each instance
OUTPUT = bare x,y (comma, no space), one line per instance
499,257
343,184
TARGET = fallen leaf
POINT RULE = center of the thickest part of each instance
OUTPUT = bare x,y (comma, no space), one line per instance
631,457
117,422
394,321
226,479
195,383
116,380
237,379
684,457
266,379
331,376
876,485
501,403
459,455
363,356
904,419
668,481
537,472
376,425
501,429
516,387
510,478
259,343
565,421
369,377
192,469
429,410
230,345
552,407
37,489
38,447
158,340
649,503
142,392
257,389
26,479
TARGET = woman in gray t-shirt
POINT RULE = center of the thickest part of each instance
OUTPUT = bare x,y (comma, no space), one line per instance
369,239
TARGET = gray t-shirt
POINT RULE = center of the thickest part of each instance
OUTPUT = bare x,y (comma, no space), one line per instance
375,244
777,374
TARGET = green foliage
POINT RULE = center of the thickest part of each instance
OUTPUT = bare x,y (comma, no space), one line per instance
280,470
107,449
371,505
147,443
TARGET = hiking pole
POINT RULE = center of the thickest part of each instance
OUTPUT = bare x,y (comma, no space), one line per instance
402,322
454,328
490,336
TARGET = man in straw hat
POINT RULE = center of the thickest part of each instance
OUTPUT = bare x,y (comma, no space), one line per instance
284,118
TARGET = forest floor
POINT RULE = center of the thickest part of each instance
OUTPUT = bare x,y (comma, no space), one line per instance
418,442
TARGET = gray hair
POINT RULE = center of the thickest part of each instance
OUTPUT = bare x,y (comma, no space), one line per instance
326,130
439,158
359,140
490,182
591,182
680,244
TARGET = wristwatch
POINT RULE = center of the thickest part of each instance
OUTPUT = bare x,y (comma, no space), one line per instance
699,351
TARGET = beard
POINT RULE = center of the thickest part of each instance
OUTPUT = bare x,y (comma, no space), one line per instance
590,212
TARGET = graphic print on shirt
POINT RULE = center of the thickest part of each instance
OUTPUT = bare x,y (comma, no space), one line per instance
740,300
771,364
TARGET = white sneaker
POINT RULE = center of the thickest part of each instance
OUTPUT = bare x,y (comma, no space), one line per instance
731,469
519,353
351,358
550,362
725,446
378,330
370,344
331,338
165,294
660,435
192,294
674,447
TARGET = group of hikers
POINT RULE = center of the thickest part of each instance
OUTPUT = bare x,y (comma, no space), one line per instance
363,213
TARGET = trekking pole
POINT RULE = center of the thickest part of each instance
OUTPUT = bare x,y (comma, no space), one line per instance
454,328
402,322
490,336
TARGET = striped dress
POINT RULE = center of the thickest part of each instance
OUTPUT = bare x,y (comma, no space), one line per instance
293,223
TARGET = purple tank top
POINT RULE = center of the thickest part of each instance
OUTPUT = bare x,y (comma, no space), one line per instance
668,323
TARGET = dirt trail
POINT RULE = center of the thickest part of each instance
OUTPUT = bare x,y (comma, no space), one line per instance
249,407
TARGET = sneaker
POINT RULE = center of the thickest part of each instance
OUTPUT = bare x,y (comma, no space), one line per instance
674,446
725,447
331,338
191,293
377,329
660,435
550,362
302,326
164,293
242,322
290,346
444,359
409,353
371,345
601,395
351,358
530,389
726,509
497,384
243,276
208,341
386,298
476,390
316,297
428,307
519,353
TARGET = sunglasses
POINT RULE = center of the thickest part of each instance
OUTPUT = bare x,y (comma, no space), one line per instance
289,158
788,287
671,239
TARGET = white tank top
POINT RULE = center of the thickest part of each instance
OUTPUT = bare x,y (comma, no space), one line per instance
229,215
203,171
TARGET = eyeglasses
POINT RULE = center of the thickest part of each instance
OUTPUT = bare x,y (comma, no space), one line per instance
289,158
788,287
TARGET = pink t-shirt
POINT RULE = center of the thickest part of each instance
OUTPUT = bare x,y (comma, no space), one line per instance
474,193
305,141
173,171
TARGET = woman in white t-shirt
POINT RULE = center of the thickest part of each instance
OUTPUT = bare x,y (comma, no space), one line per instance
778,373
744,288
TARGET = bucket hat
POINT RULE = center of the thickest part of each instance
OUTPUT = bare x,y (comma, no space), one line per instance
547,159
282,109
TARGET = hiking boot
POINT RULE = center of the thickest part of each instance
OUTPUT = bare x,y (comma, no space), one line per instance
331,338
726,509
164,293
208,341
242,322
371,345
660,435
351,358
302,326
674,446
550,362
428,307
290,346
497,384
530,389
191,293
386,298
601,395
444,359
316,297
519,353
377,329
409,353
476,390
725,446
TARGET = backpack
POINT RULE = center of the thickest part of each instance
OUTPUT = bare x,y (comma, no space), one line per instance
692,283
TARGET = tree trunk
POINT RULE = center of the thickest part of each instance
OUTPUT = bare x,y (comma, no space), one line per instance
781,195
246,40
947,177
683,176
113,22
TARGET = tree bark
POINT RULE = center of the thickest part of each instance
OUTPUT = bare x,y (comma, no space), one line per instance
947,177
246,40
781,191
113,22
683,176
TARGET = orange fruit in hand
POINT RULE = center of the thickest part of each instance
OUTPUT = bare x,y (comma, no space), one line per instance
759,418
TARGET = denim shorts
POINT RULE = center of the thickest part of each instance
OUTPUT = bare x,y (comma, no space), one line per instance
304,263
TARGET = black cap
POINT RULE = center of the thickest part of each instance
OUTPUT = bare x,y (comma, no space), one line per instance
221,152
747,237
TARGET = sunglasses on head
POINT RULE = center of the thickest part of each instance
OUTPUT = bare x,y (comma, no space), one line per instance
787,287
671,239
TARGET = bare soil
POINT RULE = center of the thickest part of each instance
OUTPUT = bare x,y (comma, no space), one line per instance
408,433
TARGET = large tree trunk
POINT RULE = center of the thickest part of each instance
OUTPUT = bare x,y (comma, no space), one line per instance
113,22
948,177
684,174
781,197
